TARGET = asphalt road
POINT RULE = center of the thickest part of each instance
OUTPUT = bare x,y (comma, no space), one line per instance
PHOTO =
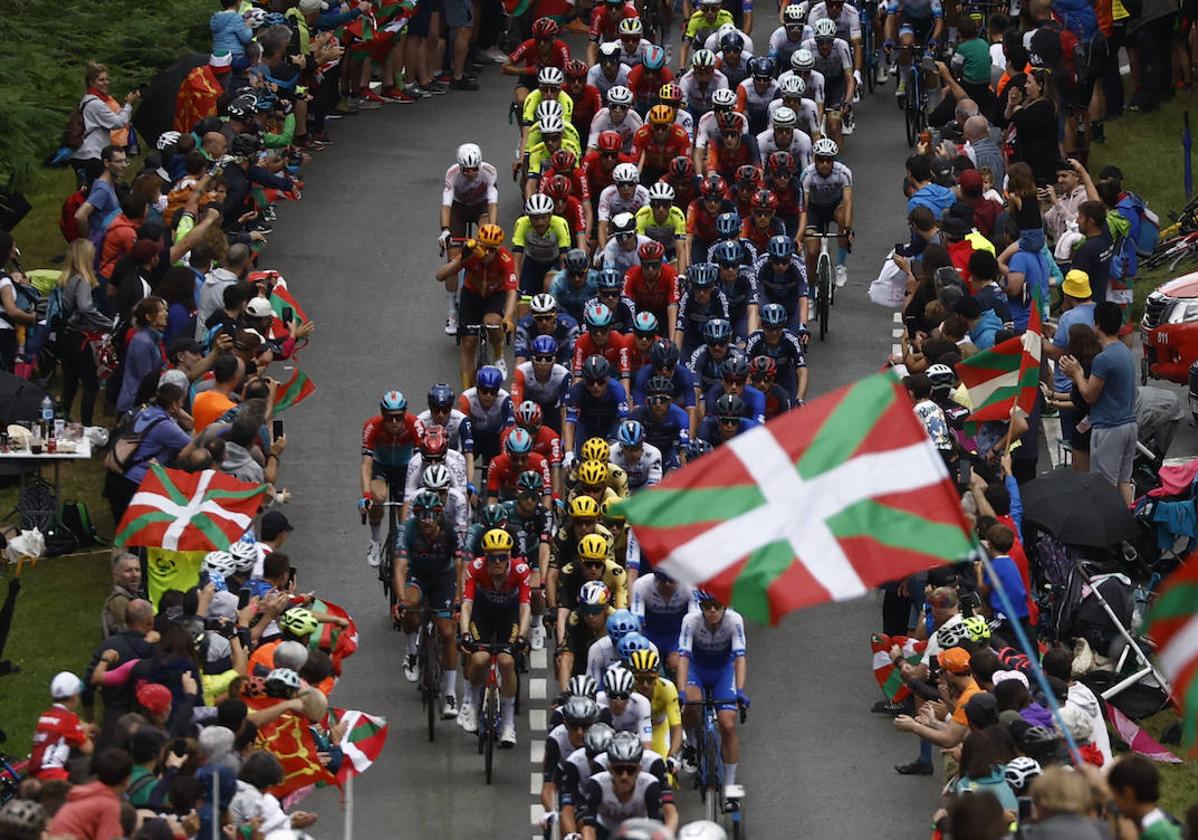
359,253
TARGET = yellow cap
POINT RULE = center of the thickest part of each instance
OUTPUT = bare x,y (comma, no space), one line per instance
1077,284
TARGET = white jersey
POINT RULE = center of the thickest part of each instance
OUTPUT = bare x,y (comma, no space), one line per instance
620,259
814,81
547,394
470,191
455,462
636,718
661,614
800,146
836,62
634,56
707,130
602,655
627,127
610,810
611,203
782,48
452,427
683,118
487,421
645,472
603,84
807,113
827,191
697,96
848,23
713,41
712,647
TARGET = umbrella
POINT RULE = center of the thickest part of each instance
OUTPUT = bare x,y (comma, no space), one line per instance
157,110
1078,509
20,399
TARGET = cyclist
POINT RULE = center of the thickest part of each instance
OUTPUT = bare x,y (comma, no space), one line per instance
560,189
469,197
786,188
703,22
666,425
590,478
632,45
488,296
654,145
436,477
565,163
489,408
763,373
762,222
754,94
793,92
802,67
455,423
665,712
542,382
533,524
622,708
434,449
670,95
661,221
715,41
652,286
625,195
640,460
646,79
827,197
728,419
601,339
911,22
707,362
701,215
739,285
701,81
579,714
427,560
544,320
543,49
587,98
584,625
663,362
583,519
549,89
661,603
707,130
747,181
781,136
732,59
580,766
681,178
645,331
617,117
517,457
488,517
610,71
784,347
605,652
734,380
782,279
496,603
575,284
712,661
605,24
788,38
595,404
848,28
552,133
538,242
735,147
623,792
388,440
697,305
593,563
615,479
834,61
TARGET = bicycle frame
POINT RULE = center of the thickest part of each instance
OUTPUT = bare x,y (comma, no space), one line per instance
825,289
10,779
488,714
430,667
718,801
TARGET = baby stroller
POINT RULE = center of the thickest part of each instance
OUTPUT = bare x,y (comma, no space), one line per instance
1158,411
1166,519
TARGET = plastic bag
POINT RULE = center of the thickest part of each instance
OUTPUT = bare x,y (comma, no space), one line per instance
890,288
28,546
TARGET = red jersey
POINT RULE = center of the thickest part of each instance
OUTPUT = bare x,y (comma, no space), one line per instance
502,474
576,220
645,84
587,103
658,155
615,351
655,296
532,59
596,176
387,448
727,161
485,280
546,443
512,592
578,181
58,729
761,238
637,359
605,21
686,190
789,197
700,223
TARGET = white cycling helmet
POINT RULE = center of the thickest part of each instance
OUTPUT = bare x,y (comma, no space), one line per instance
631,26
436,477
794,13
792,86
255,17
618,680
703,829
221,562
802,60
619,95
551,125
703,59
245,554
825,29
550,108
538,204
550,76
661,191
625,748
625,173
543,304
825,147
1020,771
167,138
470,156
723,98
951,635
624,222
785,117
582,685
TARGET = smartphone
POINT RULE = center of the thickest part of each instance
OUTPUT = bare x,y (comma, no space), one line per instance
288,314
291,576
276,429
964,474
179,748
243,598
205,578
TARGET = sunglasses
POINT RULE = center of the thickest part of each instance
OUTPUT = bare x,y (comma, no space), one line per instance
469,170
728,135
763,214
602,329
594,564
623,769
428,515
659,204
772,327
594,382
593,610
544,360
710,605
658,400
499,558
617,107
392,418
544,317
729,421
780,260
651,264
609,154
482,390
622,695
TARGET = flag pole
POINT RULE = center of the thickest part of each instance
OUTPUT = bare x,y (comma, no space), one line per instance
1033,656
215,806
349,807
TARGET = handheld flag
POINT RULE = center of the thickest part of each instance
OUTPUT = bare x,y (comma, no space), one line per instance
1004,376
362,742
1173,625
296,389
889,677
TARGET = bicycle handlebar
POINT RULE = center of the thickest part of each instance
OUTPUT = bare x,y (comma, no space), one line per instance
713,702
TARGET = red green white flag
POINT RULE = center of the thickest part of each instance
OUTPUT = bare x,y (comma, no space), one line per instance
185,511
1173,626
819,504
296,389
362,743
280,297
338,642
1006,375
885,671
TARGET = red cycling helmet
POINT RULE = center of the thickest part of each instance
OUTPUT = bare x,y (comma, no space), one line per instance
528,415
558,188
544,28
764,199
748,174
434,443
682,167
563,160
781,163
576,69
652,250
713,185
610,141
727,120
762,366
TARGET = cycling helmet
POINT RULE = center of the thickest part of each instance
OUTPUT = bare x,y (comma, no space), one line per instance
538,204
544,303
625,173
490,236
608,280
774,315
470,156
702,596
619,95
551,125
663,353
726,253
576,261
167,138
550,108
630,643
563,160
255,18
299,622
493,516
488,376
22,819
748,175
497,540
661,191
702,275
558,187
550,76
631,26
978,627
620,624
594,593
763,366
221,562
652,250
943,379
713,186
436,477
717,331
781,247
631,433
595,449
661,115
951,635
1020,771
597,739
670,94
582,685
764,200
584,507
645,323
622,223
704,829
703,60
610,141
824,29
728,121
530,481
645,661
242,108
785,117
576,69
519,442
544,345
730,405
731,41
792,86
427,504
781,163
618,679
723,98
393,401
794,14
659,386
434,443
544,27
245,554
580,710
654,57
825,147
592,473
727,225
802,60
697,448
762,68
736,368
597,315
282,682
528,414
440,396
245,146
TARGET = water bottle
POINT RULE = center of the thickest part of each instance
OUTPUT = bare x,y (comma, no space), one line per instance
47,410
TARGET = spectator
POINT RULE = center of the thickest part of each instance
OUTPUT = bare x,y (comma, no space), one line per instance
126,587
105,123
130,279
960,686
1096,251
210,405
178,289
234,268
1032,108
981,771
96,213
981,148
1110,390
1135,785
985,212
59,731
84,325
1000,540
11,315
1073,186
1058,664
145,353
229,29
925,192
1063,805
975,817
93,810
1077,309
241,449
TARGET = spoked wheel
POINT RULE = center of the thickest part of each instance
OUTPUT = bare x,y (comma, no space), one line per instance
489,746
430,679
823,278
911,117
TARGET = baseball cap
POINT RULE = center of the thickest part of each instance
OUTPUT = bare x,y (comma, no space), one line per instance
259,307
970,182
954,660
1077,284
273,524
64,685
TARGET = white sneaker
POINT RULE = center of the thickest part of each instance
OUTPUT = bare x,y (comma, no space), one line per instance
460,720
451,324
496,55
501,363
374,554
847,126
449,708
536,637
841,276
468,719
409,668
882,76
507,737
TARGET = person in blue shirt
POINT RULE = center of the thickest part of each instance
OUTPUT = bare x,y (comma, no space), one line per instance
1001,539
663,362
701,302
666,425
1027,282
544,319
708,360
781,277
738,282
726,422
609,290
575,284
594,406
1076,308
784,347
735,381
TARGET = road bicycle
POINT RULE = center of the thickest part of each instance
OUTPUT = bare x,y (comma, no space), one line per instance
482,347
428,665
915,101
387,562
824,286
867,13
489,716
721,803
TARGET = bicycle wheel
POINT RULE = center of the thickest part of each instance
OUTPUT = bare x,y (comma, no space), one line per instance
736,820
482,350
823,283
491,710
911,118
711,802
430,676
869,64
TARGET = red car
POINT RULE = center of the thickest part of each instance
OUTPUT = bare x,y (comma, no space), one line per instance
1169,330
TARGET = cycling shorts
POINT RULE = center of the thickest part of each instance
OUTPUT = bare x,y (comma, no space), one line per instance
462,215
494,625
821,216
834,91
666,643
921,27
396,478
472,307
720,682
532,275
486,446
436,591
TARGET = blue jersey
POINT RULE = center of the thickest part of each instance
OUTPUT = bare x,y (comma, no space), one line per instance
754,401
573,298
708,369
916,9
709,429
667,434
565,331
712,647
692,315
788,354
684,385
741,292
785,287
598,415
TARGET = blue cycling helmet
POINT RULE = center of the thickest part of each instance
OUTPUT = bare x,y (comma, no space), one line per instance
645,322
726,253
621,623
781,247
597,315
716,331
631,433
702,275
761,67
630,643
393,401
727,225
544,345
773,315
703,596
440,396
488,376
696,448
609,278
576,261
519,442
274,19
654,57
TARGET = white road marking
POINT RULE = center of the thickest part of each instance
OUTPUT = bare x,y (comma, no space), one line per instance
538,660
537,751
536,688
536,720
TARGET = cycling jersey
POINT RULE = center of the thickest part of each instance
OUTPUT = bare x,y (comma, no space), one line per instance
782,47
667,232
486,279
602,656
623,309
532,531
848,22
587,103
788,354
571,210
777,401
709,430
799,146
617,479
753,399
742,293
661,615
712,647
682,379
548,394
707,130
785,287
814,81
605,21
625,128
726,161
58,729
645,83
701,224
579,638
502,473
684,120
916,9
633,57
635,717
692,315
826,191
565,331
513,591
603,84
595,416
601,808
654,296
457,429
833,65
611,203
666,712
686,189
470,191
530,57
578,181
734,73
747,49
565,545
658,155
486,421
557,749
534,99
699,28
755,103
697,94
571,296
647,469
760,237
616,351
706,368
455,462
808,122
541,247
390,449
539,154
620,258
427,559
572,578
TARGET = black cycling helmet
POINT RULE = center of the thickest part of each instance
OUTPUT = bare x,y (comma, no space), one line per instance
596,369
658,386
576,261
735,367
245,145
663,353
729,405
440,396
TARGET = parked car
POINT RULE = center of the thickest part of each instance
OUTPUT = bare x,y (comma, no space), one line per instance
1169,330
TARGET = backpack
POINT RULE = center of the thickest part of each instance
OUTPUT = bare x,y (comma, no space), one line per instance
120,456
1149,233
76,130
78,519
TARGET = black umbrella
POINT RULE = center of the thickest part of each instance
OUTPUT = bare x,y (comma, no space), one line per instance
1078,509
19,399
156,112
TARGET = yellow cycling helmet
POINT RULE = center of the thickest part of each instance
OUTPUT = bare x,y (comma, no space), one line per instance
584,507
596,449
661,115
496,540
978,627
592,547
610,511
592,473
490,236
644,661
